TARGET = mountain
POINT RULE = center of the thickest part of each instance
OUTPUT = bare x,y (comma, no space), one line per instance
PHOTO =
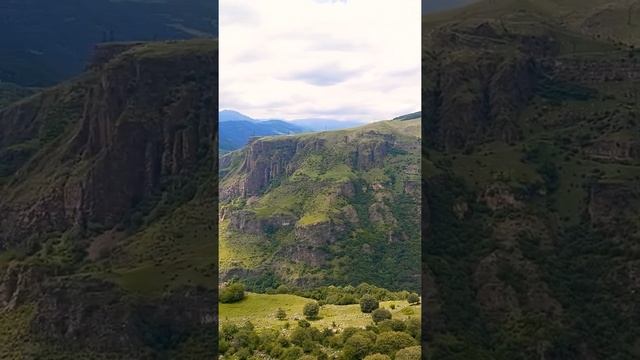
326,124
43,42
10,93
327,208
237,129
231,115
430,6
531,167
107,209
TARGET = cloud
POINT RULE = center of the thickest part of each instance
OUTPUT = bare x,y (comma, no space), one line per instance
356,59
325,75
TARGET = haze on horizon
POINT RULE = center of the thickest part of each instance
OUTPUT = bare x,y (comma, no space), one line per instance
325,59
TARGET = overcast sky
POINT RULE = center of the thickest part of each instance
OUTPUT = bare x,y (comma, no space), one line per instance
339,59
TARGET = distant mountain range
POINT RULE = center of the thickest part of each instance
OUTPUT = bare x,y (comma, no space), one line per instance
429,6
236,128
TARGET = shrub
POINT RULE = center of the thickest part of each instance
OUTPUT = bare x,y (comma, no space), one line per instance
392,325
392,341
357,346
311,310
368,304
303,323
380,314
410,353
232,293
413,298
281,314
346,300
392,306
377,357
292,353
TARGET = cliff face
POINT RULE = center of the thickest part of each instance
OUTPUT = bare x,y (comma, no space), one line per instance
531,173
314,201
128,136
97,166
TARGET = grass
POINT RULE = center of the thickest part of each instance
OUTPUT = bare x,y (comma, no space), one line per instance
169,49
177,250
260,309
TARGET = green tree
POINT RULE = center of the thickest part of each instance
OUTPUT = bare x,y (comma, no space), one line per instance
392,341
380,314
410,353
368,303
232,293
281,314
357,347
311,310
413,298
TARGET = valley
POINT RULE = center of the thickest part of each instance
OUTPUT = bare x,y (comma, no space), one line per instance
315,219
44,42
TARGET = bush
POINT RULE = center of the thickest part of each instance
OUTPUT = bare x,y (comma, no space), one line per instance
392,341
346,300
380,314
311,310
368,304
413,298
410,353
392,325
392,306
357,346
377,357
281,314
232,293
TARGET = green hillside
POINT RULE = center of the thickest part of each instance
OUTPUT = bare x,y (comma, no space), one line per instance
531,122
107,243
329,208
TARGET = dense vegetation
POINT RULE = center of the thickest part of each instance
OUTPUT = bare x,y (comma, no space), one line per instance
532,194
346,193
157,250
395,338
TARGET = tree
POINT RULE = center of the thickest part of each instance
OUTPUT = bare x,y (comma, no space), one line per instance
232,293
380,314
357,346
311,310
368,304
413,298
281,314
392,341
410,353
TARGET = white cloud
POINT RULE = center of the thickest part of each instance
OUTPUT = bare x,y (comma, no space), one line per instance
345,59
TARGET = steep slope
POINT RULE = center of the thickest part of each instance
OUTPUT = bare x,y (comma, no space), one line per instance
324,208
107,239
531,177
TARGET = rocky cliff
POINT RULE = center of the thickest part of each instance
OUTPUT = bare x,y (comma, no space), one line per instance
94,168
323,208
531,175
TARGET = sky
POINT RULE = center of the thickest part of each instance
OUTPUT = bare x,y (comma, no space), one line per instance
335,59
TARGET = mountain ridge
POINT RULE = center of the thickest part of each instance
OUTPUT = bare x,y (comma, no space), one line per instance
530,125
317,198
104,207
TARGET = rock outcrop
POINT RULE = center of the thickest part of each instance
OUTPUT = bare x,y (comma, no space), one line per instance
139,124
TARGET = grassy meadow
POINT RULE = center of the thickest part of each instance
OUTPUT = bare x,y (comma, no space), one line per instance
260,310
